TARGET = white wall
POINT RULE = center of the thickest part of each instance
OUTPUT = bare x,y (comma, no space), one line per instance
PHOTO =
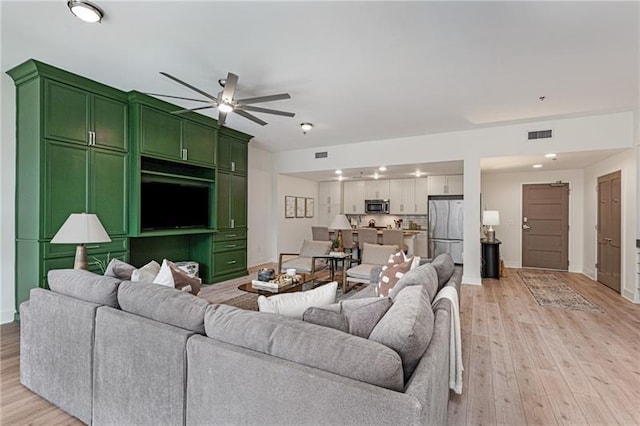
261,245
626,162
291,232
7,197
503,192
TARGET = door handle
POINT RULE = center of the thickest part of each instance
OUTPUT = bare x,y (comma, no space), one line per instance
525,226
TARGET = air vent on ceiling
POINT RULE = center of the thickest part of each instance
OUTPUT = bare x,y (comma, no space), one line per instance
539,134
324,154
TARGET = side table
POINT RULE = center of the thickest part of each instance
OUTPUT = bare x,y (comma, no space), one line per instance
490,259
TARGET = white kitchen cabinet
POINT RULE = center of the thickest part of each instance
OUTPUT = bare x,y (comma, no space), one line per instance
376,189
422,195
395,196
329,192
354,196
326,212
402,197
446,185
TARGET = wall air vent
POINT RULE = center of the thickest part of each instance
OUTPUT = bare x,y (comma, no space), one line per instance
324,154
539,134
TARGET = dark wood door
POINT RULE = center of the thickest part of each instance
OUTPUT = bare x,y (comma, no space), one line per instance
609,230
545,226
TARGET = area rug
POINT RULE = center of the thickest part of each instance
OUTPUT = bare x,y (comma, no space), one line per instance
249,301
550,291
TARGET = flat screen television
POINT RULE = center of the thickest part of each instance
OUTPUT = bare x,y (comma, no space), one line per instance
176,205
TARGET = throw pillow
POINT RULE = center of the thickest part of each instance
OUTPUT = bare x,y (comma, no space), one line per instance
326,318
424,275
294,304
391,273
119,269
172,276
147,273
363,314
164,276
444,266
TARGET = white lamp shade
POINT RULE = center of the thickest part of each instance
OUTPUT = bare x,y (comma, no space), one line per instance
340,221
491,217
81,228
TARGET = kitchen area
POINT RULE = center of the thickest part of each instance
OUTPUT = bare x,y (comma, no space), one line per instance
428,209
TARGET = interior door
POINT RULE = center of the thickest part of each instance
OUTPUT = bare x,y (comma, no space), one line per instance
609,191
545,226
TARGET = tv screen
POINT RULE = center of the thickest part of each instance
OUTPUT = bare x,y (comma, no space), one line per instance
174,206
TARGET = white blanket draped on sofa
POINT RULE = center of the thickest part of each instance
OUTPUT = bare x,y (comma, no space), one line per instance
455,340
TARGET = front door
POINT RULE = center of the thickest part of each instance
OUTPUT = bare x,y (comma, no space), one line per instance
545,226
609,230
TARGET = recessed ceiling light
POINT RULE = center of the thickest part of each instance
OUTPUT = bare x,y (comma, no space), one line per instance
340,177
382,168
375,175
338,172
417,173
550,155
86,11
537,166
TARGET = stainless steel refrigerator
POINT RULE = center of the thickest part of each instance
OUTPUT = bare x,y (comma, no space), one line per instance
446,216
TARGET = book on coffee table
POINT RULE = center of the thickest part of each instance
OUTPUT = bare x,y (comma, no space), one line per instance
268,285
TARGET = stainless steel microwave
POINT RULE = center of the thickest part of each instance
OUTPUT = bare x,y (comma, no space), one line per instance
376,206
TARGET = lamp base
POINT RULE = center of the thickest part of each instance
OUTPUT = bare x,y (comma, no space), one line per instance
81,257
491,235
340,243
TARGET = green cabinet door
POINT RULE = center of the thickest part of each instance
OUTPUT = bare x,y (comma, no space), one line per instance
239,201
110,123
200,143
160,134
66,113
108,189
223,208
65,191
239,152
224,152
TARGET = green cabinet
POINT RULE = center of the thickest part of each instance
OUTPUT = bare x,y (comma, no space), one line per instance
232,153
199,143
71,157
228,255
232,201
159,134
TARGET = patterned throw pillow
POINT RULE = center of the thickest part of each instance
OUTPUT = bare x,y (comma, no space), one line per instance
392,272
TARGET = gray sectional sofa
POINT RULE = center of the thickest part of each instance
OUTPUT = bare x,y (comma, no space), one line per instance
111,352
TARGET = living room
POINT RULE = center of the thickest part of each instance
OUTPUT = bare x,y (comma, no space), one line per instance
476,98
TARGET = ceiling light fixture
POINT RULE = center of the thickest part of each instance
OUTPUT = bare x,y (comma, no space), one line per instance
537,166
417,173
225,107
306,127
375,175
86,11
550,155
340,178
382,168
338,172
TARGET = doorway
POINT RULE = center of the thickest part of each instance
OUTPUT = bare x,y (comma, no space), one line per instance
609,217
545,226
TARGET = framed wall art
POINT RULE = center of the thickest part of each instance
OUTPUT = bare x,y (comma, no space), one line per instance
300,206
289,206
308,211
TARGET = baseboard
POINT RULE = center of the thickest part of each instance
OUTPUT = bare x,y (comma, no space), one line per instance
471,280
589,273
510,264
6,316
630,296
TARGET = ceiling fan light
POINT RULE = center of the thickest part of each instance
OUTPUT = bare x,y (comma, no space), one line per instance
306,127
225,107
86,11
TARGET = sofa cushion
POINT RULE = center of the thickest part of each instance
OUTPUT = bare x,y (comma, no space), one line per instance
147,273
376,254
407,327
424,275
163,304
294,304
326,318
119,269
362,272
85,285
444,267
307,344
353,316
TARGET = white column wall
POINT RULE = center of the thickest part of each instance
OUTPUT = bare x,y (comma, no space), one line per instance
260,246
471,243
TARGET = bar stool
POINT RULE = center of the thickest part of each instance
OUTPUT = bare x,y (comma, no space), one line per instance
394,236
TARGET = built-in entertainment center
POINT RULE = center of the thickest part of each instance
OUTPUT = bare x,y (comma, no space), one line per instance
163,185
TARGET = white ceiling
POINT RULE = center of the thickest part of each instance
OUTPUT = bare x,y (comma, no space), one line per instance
359,71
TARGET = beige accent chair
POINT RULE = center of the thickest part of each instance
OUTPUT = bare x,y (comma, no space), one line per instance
373,255
306,261
320,233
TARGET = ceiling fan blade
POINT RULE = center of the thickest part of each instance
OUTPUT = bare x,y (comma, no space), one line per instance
191,109
250,117
266,110
195,89
267,98
229,86
178,97
222,117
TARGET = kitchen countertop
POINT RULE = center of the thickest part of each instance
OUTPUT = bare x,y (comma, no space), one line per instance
405,232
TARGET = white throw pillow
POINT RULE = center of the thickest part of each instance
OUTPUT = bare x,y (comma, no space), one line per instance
294,304
147,273
164,277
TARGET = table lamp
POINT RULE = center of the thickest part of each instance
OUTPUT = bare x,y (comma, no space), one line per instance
81,228
490,218
339,223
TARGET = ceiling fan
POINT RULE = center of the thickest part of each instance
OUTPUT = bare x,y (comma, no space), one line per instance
225,101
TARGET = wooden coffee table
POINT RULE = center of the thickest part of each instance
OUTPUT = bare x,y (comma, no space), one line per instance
286,289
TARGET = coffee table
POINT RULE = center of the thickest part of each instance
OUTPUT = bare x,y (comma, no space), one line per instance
286,289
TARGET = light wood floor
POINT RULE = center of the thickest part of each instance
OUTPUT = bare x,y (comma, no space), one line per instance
524,364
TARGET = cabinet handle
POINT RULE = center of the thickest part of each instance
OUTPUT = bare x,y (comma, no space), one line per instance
231,235
184,154
233,223
401,207
92,138
415,207
354,208
231,262
232,245
92,247
233,166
